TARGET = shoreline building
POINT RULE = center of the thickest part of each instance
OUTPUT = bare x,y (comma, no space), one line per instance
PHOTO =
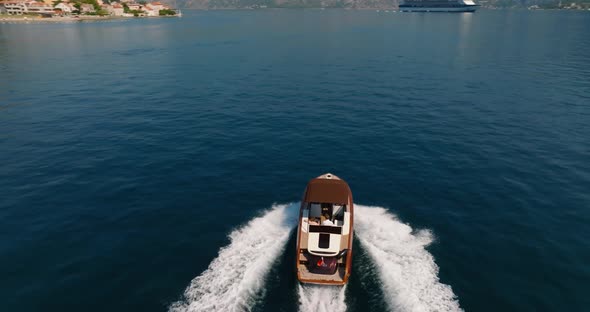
66,8
116,9
87,8
15,7
41,8
27,7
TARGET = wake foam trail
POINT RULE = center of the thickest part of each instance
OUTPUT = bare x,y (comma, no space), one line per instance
234,280
316,298
407,270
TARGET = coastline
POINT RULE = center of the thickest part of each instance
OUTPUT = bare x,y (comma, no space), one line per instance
57,19
65,19
34,19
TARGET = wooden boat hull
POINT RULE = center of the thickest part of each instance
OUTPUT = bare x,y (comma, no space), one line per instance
325,232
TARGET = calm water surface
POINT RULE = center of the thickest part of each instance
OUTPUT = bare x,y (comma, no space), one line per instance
129,150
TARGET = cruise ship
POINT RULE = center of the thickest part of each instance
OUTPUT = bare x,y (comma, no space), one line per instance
438,6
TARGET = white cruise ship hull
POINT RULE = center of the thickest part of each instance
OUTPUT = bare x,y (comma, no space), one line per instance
467,8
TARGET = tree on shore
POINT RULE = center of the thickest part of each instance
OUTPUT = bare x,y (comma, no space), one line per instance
167,12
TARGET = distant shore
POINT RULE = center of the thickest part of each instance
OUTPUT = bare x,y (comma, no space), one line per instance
37,19
63,19
5,18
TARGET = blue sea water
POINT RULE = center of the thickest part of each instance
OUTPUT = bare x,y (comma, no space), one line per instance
131,149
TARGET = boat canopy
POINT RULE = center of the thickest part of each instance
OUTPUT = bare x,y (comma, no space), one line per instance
327,191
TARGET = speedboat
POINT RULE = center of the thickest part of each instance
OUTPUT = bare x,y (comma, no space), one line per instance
324,234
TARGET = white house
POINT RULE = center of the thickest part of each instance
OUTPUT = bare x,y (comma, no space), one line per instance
135,6
151,11
39,8
65,8
157,6
87,8
115,9
16,7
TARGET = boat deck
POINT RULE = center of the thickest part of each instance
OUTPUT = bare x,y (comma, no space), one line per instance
337,277
304,238
304,273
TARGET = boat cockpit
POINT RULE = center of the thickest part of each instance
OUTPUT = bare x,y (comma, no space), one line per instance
325,214
325,224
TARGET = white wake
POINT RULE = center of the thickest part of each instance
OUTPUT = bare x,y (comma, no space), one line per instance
315,298
409,276
235,279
